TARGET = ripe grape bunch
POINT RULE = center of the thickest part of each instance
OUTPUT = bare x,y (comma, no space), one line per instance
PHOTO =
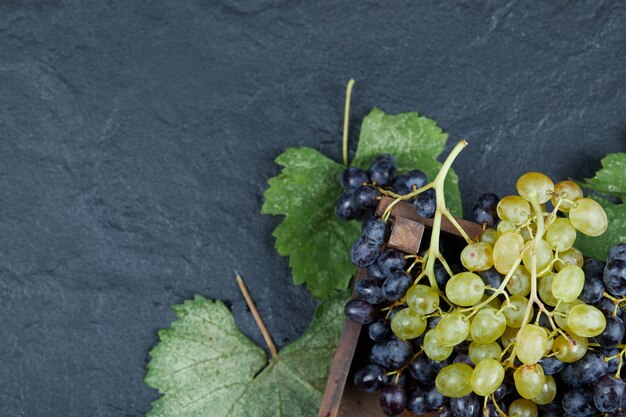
513,322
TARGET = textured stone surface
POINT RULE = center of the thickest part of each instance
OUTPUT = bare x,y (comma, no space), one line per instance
136,139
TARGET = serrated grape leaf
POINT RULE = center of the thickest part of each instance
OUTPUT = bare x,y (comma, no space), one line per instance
414,141
316,241
205,367
609,181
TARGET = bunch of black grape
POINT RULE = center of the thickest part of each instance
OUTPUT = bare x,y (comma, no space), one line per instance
363,189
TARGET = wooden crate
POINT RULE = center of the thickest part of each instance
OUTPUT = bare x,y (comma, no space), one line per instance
341,398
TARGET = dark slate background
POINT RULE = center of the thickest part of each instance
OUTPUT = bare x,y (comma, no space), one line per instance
136,139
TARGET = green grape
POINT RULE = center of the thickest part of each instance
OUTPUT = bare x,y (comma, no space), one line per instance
452,329
487,325
507,250
514,209
433,347
531,343
586,321
535,184
494,302
454,380
515,313
569,190
478,352
526,234
570,349
487,377
489,236
519,283
545,290
477,256
407,324
529,380
564,308
422,299
549,343
504,227
588,217
465,289
572,256
568,283
561,234
544,255
523,408
508,336
547,393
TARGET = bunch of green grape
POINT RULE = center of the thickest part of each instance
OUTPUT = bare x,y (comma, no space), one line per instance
518,300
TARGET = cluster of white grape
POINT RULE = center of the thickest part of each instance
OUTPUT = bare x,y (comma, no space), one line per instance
533,313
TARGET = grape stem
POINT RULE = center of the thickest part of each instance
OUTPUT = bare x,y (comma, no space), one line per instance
346,118
256,315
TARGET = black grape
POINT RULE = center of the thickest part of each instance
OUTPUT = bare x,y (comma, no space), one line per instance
553,409
463,358
370,291
468,406
426,203
393,399
491,277
374,273
346,208
502,390
615,277
578,403
400,187
383,170
416,178
485,210
397,353
422,370
441,275
551,365
592,290
587,370
365,197
612,364
444,411
607,307
434,399
376,233
417,401
617,252
379,330
371,378
353,178
390,261
593,267
396,285
363,255
608,393
361,312
613,332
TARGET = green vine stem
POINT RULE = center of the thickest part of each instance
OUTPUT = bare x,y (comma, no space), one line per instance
346,117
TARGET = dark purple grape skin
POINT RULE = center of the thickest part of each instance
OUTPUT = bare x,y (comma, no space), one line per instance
485,209
393,399
617,252
444,411
400,187
415,179
434,399
390,261
398,353
552,409
607,307
366,197
361,312
468,406
502,390
379,330
593,267
585,371
614,277
417,401
383,170
352,178
396,285
372,378
422,370
463,358
378,354
612,364
592,290
346,208
551,365
578,403
363,255
376,233
441,275
426,203
613,332
374,273
609,393
370,291
491,277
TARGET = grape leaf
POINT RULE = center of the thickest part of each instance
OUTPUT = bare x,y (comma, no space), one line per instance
608,182
204,366
316,241
414,141
306,190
